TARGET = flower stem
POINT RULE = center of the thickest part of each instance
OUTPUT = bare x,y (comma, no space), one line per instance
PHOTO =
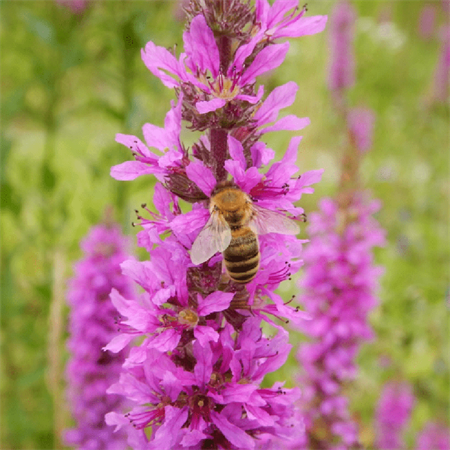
218,139
219,136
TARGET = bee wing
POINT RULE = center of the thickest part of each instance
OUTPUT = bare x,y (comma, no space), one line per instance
266,221
215,237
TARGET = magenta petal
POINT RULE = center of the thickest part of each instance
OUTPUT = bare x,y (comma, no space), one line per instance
166,437
166,341
192,220
261,155
268,59
234,434
203,369
201,176
311,177
117,420
201,48
119,342
236,151
130,170
238,393
217,301
156,58
135,145
210,105
192,438
304,26
281,97
205,334
290,122
252,98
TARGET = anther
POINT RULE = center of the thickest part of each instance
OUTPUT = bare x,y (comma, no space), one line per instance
143,205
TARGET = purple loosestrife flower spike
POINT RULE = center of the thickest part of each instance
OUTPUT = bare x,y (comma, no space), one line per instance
442,72
434,436
76,6
340,277
360,122
342,62
338,285
91,370
427,21
392,415
195,376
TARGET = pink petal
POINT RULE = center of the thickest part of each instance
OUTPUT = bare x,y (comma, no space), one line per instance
117,420
311,177
201,48
135,145
217,301
201,176
192,438
119,342
166,341
130,170
166,437
234,434
304,27
156,58
236,151
205,334
290,122
268,59
281,97
252,98
210,105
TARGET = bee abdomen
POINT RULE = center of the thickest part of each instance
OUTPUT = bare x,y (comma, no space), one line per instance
242,257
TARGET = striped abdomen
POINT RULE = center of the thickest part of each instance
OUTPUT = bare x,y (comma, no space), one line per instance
242,255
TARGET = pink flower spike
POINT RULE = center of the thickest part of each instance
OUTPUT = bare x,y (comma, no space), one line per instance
360,123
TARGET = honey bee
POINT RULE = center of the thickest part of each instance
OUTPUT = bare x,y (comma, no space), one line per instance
233,228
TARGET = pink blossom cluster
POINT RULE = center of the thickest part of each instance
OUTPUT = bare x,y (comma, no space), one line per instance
393,414
194,379
341,75
76,6
338,293
434,436
90,370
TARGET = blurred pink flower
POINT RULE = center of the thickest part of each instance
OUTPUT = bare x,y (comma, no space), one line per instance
90,370
360,122
339,283
341,35
76,6
392,415
434,436
427,21
442,71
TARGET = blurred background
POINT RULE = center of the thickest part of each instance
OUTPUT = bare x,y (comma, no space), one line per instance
72,78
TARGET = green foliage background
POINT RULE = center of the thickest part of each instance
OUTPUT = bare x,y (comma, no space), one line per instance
71,82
